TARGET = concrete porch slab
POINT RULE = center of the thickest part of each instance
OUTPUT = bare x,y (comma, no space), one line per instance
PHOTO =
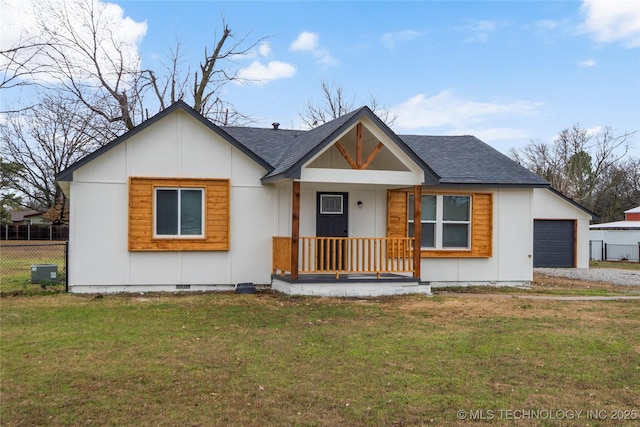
349,286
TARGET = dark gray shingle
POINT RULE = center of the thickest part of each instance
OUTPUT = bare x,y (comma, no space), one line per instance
467,160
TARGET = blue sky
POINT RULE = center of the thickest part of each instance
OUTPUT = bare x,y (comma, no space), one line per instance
505,71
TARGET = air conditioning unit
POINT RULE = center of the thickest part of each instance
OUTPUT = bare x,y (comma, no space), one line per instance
44,273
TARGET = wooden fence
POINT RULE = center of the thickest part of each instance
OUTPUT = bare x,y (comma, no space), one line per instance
366,255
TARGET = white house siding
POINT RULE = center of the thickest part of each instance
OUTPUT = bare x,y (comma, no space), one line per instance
512,261
369,220
548,205
177,146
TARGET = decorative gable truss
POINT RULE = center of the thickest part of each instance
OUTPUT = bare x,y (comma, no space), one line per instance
363,153
358,163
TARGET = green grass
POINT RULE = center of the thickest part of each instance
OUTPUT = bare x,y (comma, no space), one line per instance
615,264
268,359
16,259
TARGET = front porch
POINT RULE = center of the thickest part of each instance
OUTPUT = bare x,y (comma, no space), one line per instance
345,267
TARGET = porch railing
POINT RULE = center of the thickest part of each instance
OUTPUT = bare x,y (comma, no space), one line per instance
336,255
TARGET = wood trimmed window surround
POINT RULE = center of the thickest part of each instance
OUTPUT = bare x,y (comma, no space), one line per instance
446,221
143,234
481,222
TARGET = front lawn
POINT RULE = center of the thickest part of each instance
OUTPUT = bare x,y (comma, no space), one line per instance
626,265
268,359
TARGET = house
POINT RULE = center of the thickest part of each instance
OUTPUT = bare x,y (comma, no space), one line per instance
27,216
179,203
619,240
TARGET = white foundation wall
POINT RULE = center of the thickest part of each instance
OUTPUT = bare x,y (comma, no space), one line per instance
548,205
512,260
176,147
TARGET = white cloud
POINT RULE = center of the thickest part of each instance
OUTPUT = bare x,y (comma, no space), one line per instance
22,21
309,42
264,49
447,109
546,24
306,42
390,39
587,63
480,31
612,21
260,74
492,134
592,131
447,113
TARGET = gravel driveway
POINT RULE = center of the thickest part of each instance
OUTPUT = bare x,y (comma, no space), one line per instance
608,275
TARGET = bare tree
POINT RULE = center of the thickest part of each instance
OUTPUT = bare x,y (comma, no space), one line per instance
43,141
8,198
87,87
579,163
335,104
203,87
78,50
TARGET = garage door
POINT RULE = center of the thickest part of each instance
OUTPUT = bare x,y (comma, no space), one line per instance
553,243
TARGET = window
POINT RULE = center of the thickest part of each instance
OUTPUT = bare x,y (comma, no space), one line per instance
179,212
190,205
331,204
446,221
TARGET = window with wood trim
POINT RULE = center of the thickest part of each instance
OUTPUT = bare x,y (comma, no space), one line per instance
446,221
453,224
171,214
179,212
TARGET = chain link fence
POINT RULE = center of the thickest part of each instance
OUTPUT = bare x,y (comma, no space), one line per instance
29,267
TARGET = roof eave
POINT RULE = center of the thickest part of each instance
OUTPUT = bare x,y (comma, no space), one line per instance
489,184
594,216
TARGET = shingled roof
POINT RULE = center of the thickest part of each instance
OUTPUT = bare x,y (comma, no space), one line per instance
467,160
283,149
446,160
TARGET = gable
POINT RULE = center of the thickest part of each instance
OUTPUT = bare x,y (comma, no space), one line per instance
152,124
360,148
362,153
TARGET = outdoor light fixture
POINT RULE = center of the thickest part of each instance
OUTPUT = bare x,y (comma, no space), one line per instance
360,203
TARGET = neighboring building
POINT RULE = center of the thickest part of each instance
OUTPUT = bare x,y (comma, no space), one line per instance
179,203
26,217
619,240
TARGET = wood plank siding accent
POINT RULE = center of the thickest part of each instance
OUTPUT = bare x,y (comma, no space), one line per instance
141,215
481,223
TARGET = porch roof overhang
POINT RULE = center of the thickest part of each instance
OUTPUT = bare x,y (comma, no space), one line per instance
346,176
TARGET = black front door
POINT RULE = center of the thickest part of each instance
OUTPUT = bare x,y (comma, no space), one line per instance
332,221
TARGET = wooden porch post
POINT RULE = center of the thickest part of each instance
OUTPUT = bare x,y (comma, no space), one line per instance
417,229
295,228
